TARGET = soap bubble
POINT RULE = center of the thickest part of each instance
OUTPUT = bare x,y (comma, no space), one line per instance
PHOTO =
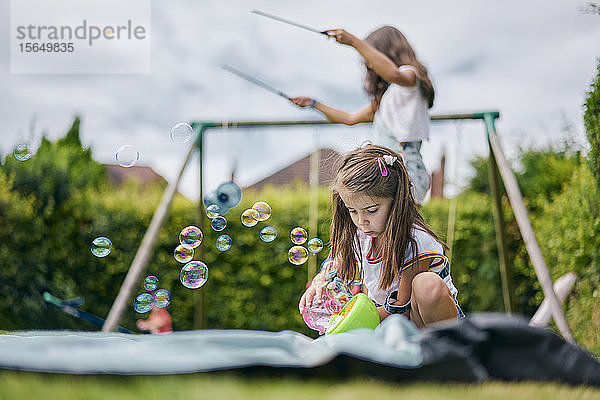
223,243
315,245
150,283
328,268
298,235
337,289
317,317
320,281
213,211
298,255
127,156
22,151
194,274
183,253
249,217
162,298
263,209
333,306
101,246
181,133
268,234
191,235
143,303
218,223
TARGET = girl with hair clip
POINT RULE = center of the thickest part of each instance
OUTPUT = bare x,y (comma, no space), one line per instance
378,232
401,94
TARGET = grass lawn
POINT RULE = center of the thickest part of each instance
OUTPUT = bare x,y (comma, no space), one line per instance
26,385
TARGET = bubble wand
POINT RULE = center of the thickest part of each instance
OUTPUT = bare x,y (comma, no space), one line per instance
255,81
287,21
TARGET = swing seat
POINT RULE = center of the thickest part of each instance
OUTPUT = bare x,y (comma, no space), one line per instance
562,287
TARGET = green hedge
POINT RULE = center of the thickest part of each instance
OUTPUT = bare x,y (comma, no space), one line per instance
591,120
53,205
253,285
575,215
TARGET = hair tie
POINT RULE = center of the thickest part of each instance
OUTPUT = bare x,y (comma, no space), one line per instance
382,168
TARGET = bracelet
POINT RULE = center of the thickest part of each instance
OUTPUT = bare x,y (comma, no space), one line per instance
313,103
392,309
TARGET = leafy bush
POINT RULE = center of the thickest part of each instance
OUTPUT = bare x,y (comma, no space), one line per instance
53,205
575,215
253,285
591,120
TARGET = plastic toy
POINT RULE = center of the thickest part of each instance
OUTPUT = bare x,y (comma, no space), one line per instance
359,312
339,311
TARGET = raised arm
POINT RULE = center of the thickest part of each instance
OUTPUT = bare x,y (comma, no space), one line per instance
363,115
376,60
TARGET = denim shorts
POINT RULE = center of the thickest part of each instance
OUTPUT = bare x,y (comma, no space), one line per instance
413,162
461,314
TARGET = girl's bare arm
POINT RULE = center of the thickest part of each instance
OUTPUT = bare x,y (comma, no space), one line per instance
365,114
376,60
405,288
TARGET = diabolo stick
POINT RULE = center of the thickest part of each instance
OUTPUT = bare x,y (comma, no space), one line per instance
287,21
255,81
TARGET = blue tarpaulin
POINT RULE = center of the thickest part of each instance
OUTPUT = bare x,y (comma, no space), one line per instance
482,346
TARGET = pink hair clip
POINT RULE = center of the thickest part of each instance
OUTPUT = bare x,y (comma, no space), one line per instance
382,167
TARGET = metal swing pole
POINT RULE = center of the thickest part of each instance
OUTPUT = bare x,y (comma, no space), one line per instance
505,264
199,297
453,203
313,211
521,215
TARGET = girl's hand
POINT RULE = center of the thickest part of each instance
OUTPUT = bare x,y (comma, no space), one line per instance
302,101
311,295
142,325
341,36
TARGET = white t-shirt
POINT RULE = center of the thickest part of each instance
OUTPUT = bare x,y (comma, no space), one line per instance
402,116
428,248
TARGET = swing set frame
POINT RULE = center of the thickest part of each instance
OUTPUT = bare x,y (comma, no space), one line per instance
499,168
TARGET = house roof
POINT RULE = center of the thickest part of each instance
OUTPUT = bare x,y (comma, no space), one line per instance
117,174
300,170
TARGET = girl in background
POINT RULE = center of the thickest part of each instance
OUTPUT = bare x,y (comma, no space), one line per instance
401,94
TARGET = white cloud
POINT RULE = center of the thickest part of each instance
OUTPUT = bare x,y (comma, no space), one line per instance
532,61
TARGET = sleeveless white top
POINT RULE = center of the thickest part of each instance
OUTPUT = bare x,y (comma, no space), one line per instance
403,114
428,248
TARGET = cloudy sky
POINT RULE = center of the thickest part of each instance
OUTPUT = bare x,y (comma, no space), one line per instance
531,60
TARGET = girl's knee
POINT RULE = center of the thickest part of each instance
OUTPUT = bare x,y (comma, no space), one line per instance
429,288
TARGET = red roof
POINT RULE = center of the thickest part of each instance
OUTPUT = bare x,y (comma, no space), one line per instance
300,170
144,175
